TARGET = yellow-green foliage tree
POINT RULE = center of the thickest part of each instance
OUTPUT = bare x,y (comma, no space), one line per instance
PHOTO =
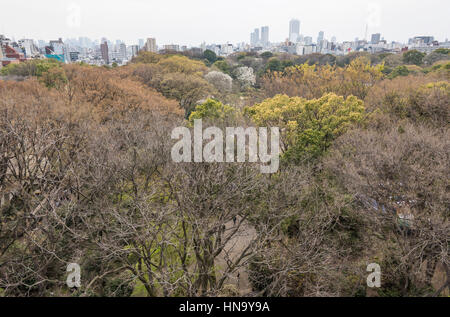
308,127
147,58
312,81
182,64
213,109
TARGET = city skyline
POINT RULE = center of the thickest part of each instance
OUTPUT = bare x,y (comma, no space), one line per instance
185,23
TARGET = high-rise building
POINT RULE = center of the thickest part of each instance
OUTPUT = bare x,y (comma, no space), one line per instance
150,45
123,51
375,38
105,52
141,43
265,36
254,38
320,37
134,50
294,30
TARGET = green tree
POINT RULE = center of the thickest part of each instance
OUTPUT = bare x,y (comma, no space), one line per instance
210,56
413,57
223,66
274,65
399,71
31,68
267,55
445,51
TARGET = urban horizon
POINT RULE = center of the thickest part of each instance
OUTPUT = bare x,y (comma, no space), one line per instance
106,52
193,23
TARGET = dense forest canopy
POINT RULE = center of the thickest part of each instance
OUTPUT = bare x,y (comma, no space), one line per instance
86,177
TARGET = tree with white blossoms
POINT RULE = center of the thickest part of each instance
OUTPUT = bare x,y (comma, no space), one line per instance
221,81
245,76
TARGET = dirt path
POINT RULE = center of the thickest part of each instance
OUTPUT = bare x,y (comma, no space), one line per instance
234,248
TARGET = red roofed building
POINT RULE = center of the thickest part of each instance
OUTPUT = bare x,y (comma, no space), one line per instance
12,56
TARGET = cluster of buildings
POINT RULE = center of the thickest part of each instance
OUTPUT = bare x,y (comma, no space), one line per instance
105,52
12,52
300,44
83,49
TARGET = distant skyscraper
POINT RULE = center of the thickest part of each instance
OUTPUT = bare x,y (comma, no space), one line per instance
308,40
254,38
265,36
141,43
134,50
123,51
320,37
105,51
150,46
294,30
375,38
333,39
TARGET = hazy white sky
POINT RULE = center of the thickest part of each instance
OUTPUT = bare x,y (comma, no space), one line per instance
190,22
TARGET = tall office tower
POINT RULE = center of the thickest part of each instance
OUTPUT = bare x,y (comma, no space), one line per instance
294,30
134,50
141,43
150,46
333,39
123,50
320,37
257,38
254,38
265,36
105,51
308,40
375,38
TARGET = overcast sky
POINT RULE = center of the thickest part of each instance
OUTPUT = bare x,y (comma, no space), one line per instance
190,22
